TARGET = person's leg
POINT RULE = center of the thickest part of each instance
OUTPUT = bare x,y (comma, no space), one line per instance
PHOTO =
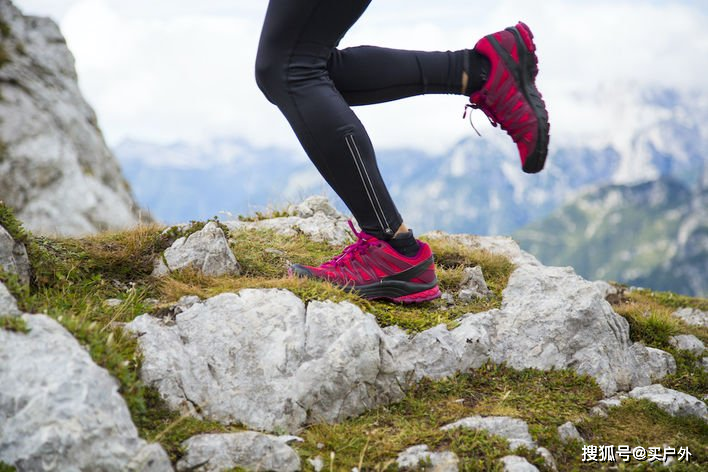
367,75
297,40
499,76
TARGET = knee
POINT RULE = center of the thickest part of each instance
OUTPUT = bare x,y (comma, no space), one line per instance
270,76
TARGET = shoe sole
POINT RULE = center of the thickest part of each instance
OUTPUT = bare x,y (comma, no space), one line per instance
525,73
398,291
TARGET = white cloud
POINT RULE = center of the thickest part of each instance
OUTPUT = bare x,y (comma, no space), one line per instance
179,70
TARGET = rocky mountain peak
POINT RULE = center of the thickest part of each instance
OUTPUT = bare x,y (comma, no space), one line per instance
56,171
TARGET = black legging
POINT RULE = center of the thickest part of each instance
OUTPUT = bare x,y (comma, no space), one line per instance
299,69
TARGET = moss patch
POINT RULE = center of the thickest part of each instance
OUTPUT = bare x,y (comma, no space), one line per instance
6,468
641,423
7,217
373,440
13,323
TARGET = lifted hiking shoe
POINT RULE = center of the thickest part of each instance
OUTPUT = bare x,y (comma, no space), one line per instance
510,97
375,270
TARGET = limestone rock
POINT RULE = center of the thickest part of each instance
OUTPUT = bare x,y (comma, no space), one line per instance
693,316
432,353
514,430
604,288
206,250
473,284
552,318
671,401
568,432
56,171
517,464
688,342
13,255
548,458
8,305
656,363
411,458
315,217
260,358
317,463
60,411
437,352
248,450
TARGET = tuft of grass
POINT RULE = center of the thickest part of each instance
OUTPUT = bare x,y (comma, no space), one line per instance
264,215
14,323
690,376
159,424
642,423
374,439
125,256
7,217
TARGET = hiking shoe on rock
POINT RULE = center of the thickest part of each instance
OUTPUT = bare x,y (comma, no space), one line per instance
510,97
375,270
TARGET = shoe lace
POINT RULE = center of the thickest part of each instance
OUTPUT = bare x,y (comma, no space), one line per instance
487,112
363,242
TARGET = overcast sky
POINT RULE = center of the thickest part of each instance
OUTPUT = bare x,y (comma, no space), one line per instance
170,70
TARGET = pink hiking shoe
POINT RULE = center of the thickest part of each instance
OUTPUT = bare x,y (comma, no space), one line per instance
510,97
376,270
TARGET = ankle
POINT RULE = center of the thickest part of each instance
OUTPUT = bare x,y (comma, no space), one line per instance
475,71
405,243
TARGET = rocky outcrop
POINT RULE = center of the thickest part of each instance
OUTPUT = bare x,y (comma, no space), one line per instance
692,316
263,359
551,318
13,256
248,450
60,411
517,464
473,284
206,250
568,432
412,457
8,305
688,342
672,401
514,430
314,217
56,171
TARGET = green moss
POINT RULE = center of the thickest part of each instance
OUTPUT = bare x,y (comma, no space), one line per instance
158,424
13,323
641,423
5,30
6,468
690,377
264,215
374,439
7,217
